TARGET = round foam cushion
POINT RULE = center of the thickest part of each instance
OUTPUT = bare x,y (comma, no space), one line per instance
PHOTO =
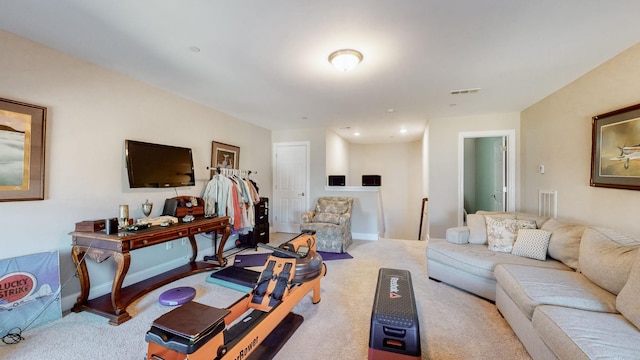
177,296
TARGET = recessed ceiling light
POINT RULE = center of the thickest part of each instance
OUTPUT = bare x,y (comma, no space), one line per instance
464,91
356,134
194,49
390,110
403,131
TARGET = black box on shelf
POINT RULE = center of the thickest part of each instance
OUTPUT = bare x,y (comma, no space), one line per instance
337,180
371,180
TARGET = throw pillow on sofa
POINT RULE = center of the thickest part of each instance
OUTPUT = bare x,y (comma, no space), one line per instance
477,229
501,233
532,243
564,244
478,226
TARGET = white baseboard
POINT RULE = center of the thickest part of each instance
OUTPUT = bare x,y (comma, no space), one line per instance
364,236
132,278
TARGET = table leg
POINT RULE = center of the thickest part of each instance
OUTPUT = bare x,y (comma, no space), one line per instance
194,248
77,255
225,235
123,261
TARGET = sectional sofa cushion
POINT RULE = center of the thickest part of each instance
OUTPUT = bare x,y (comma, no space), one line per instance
564,244
627,301
579,334
530,286
478,259
606,257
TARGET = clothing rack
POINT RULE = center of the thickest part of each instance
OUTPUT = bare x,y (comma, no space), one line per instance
231,172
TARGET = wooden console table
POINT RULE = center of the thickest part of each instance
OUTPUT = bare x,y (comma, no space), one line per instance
99,246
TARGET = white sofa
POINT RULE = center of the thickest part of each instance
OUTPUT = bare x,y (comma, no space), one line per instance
581,302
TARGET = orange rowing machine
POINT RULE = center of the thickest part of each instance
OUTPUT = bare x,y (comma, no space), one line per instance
198,332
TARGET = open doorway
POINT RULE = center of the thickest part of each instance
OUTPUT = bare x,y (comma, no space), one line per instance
486,172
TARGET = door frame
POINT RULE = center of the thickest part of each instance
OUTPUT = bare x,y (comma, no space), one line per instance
275,206
510,163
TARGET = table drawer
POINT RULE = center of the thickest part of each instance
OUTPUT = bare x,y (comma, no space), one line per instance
158,238
197,229
262,219
261,233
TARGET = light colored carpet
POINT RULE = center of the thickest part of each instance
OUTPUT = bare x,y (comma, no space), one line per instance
453,324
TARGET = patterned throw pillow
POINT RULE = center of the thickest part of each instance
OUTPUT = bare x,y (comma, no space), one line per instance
501,233
327,218
532,244
478,226
332,206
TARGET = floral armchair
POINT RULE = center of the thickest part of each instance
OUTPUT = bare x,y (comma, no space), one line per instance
331,221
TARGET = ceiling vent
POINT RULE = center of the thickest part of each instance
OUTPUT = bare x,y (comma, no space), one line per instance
465,91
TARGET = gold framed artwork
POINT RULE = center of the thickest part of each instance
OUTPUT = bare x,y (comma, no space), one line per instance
22,151
615,149
224,156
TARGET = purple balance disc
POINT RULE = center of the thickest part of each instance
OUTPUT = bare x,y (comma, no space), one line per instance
177,296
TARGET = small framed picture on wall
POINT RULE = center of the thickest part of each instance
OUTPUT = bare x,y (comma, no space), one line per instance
224,156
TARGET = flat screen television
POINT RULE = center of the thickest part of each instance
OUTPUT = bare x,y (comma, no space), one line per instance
158,166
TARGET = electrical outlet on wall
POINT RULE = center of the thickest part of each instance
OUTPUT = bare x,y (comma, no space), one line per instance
169,244
184,242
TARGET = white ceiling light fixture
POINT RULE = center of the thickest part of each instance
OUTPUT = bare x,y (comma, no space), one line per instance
345,59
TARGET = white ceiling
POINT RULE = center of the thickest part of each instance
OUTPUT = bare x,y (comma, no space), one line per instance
265,62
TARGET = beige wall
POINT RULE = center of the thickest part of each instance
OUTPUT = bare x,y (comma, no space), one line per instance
400,166
557,133
91,111
443,163
337,162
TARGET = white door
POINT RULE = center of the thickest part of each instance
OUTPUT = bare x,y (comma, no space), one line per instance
291,185
500,174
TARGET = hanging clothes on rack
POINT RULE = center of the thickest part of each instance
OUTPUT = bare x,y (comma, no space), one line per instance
237,210
218,198
231,193
238,205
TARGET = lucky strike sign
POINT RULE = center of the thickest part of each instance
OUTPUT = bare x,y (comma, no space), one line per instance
16,286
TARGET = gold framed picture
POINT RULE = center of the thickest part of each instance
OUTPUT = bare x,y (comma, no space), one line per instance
22,151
